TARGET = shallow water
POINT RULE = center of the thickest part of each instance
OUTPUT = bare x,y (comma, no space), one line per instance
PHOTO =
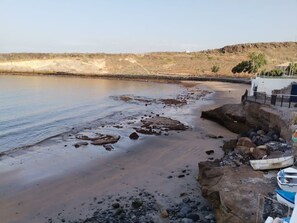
33,108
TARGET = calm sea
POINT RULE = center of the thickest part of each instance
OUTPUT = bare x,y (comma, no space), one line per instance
33,108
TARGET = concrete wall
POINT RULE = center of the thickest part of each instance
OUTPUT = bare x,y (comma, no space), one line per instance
269,84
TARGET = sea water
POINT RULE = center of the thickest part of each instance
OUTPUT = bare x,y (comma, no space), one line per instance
33,108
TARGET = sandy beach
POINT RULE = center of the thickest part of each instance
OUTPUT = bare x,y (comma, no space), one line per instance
52,183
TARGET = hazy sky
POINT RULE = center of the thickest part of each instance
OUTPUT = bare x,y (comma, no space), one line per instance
114,26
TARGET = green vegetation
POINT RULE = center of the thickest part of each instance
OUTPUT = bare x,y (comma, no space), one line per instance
292,69
255,62
272,73
215,69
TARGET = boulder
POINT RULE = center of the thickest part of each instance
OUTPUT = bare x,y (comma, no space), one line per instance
246,142
243,150
159,122
106,139
134,136
233,192
259,152
229,146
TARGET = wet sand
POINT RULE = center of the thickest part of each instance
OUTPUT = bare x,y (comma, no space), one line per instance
61,185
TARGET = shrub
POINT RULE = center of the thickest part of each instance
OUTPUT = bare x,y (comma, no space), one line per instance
215,69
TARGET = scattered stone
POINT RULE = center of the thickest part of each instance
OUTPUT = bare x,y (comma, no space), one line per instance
194,217
260,132
246,142
209,152
137,203
187,220
115,205
164,214
79,144
108,147
259,152
181,176
134,136
229,146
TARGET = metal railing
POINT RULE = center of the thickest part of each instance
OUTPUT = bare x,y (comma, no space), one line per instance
281,100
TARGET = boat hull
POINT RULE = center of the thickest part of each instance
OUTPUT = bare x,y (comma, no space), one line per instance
269,164
281,197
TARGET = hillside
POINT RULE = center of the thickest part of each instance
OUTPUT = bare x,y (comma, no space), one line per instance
160,63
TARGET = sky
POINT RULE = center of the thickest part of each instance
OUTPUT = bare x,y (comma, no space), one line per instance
138,26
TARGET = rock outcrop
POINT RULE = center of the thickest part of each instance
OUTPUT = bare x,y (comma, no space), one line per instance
240,118
233,191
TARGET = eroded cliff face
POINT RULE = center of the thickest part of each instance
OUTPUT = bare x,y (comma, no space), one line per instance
239,118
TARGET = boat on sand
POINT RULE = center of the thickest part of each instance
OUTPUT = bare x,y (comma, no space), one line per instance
273,163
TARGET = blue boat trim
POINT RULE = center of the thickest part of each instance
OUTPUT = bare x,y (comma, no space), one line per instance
288,196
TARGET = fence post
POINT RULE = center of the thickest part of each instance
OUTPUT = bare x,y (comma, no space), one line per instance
282,100
273,99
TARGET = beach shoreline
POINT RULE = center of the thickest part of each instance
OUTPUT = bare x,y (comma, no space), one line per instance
141,77
60,185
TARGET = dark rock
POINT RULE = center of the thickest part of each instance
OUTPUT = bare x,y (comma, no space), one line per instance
146,131
184,211
209,152
79,144
115,205
106,139
163,122
137,203
187,220
134,136
108,147
119,211
229,146
266,139
186,200
194,217
259,152
245,142
181,176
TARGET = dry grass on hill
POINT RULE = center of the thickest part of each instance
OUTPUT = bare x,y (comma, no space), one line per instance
163,63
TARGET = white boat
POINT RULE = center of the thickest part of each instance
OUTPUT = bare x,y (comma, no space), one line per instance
287,179
274,163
